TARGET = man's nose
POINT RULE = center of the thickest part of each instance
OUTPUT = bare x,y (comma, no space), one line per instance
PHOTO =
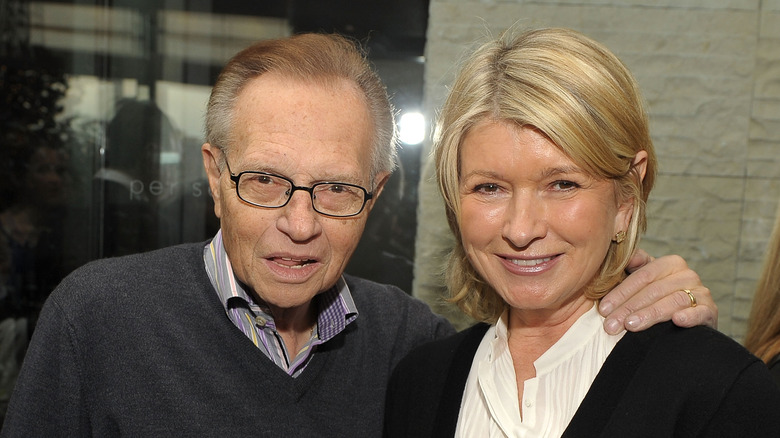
299,220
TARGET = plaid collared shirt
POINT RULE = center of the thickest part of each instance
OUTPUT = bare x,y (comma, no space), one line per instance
335,310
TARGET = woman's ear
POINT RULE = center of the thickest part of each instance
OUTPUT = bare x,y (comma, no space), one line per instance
640,164
626,207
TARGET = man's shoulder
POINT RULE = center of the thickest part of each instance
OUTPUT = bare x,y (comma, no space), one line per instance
159,260
385,299
362,287
117,277
386,308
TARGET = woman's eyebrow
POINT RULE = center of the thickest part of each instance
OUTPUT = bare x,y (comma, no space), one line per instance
562,170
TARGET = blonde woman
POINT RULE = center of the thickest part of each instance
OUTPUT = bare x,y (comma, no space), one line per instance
545,162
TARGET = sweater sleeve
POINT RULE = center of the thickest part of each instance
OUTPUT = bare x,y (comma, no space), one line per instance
47,399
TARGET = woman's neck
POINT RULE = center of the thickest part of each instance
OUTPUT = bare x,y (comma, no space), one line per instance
532,333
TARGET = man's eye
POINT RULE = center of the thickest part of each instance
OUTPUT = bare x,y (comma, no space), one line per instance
337,188
261,179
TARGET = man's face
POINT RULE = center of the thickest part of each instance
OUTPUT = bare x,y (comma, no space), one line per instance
308,133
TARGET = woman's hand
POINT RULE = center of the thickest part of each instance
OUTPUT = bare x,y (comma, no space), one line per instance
655,292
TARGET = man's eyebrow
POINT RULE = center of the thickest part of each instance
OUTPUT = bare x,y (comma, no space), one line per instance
265,168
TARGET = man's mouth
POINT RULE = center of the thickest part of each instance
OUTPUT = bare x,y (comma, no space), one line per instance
293,263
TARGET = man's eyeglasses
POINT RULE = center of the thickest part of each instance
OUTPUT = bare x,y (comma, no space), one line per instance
267,190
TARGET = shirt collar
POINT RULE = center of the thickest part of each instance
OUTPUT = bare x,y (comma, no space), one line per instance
588,325
500,342
335,306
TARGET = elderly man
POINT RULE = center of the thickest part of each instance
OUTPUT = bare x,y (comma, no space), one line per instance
259,331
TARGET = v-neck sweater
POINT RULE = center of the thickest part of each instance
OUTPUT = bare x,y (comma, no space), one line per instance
141,346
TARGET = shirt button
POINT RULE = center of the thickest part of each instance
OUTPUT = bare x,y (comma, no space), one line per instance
528,403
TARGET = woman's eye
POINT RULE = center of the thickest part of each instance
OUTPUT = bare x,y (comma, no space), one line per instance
486,188
565,185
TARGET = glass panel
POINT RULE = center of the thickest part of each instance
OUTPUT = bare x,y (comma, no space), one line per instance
101,122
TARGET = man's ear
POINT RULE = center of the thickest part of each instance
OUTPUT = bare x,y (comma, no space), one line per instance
379,184
211,155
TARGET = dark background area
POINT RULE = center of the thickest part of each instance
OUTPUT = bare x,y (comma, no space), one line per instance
393,34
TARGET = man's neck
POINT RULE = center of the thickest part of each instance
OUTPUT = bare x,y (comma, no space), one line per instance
295,325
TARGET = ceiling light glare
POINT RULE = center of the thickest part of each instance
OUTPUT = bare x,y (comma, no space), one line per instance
412,128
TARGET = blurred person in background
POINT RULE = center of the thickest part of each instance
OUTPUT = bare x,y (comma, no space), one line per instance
35,190
763,334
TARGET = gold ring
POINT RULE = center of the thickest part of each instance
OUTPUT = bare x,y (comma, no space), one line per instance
690,295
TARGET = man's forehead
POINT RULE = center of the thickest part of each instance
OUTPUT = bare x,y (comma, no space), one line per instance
281,123
280,80
266,93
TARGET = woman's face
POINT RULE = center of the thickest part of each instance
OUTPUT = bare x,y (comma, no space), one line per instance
533,223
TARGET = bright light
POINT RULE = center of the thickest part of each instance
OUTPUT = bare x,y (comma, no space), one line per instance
412,128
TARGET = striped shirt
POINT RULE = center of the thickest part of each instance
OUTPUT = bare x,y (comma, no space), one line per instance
335,310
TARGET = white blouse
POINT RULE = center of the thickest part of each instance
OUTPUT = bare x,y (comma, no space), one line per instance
564,374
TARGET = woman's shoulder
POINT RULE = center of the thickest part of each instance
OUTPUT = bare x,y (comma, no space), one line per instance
697,344
697,354
665,376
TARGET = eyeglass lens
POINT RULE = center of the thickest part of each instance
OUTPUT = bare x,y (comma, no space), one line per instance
336,199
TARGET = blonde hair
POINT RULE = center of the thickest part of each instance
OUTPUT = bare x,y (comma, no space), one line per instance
578,94
320,58
763,335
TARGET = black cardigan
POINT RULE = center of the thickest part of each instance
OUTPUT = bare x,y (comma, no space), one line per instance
664,381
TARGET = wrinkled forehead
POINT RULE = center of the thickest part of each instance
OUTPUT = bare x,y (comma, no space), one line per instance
302,123
272,97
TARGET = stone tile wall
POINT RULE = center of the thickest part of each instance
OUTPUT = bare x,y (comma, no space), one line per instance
710,72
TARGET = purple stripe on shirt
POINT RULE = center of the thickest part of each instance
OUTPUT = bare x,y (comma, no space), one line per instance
336,310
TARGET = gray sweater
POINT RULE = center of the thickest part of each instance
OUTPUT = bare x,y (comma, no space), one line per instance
141,346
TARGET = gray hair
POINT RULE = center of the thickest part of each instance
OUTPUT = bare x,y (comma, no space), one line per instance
313,57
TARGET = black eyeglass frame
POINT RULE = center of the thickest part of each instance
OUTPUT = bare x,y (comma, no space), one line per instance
310,190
